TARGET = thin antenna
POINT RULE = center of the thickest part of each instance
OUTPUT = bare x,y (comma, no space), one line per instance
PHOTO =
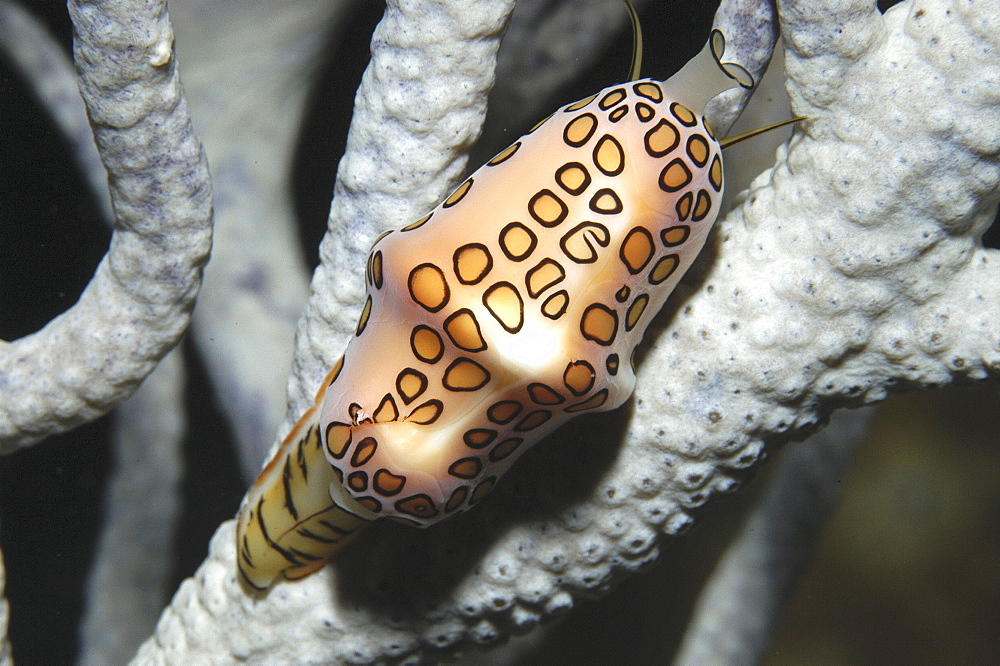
743,136
636,42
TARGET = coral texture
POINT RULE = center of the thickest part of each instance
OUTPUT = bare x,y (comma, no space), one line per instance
853,267
138,304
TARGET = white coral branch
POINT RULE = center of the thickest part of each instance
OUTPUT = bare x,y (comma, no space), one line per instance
257,283
138,303
852,268
128,582
743,602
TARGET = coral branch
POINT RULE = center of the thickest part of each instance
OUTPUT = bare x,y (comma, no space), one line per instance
138,303
45,66
256,284
743,602
419,109
852,268
128,581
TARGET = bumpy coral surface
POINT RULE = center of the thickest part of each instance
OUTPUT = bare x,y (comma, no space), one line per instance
850,269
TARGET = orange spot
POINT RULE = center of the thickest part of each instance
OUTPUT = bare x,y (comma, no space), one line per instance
606,202
386,412
377,269
427,412
505,448
357,481
517,241
466,468
580,129
612,364
697,149
456,498
503,412
715,174
533,420
556,304
504,154
426,344
505,304
388,484
593,402
477,438
428,287
465,375
664,268
675,235
635,311
573,177
547,209
338,438
675,176
418,223
683,114
420,506
463,329
365,313
540,123
410,384
579,243
649,91
637,249
547,273
483,489
663,138
544,395
702,205
609,155
472,263
579,377
684,206
599,324
458,194
611,99
365,450
708,128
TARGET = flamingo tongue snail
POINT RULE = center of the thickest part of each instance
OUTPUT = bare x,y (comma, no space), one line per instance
513,306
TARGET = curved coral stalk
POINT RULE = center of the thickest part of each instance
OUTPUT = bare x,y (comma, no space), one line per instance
138,303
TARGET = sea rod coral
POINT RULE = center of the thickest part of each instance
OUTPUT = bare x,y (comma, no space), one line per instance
850,269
